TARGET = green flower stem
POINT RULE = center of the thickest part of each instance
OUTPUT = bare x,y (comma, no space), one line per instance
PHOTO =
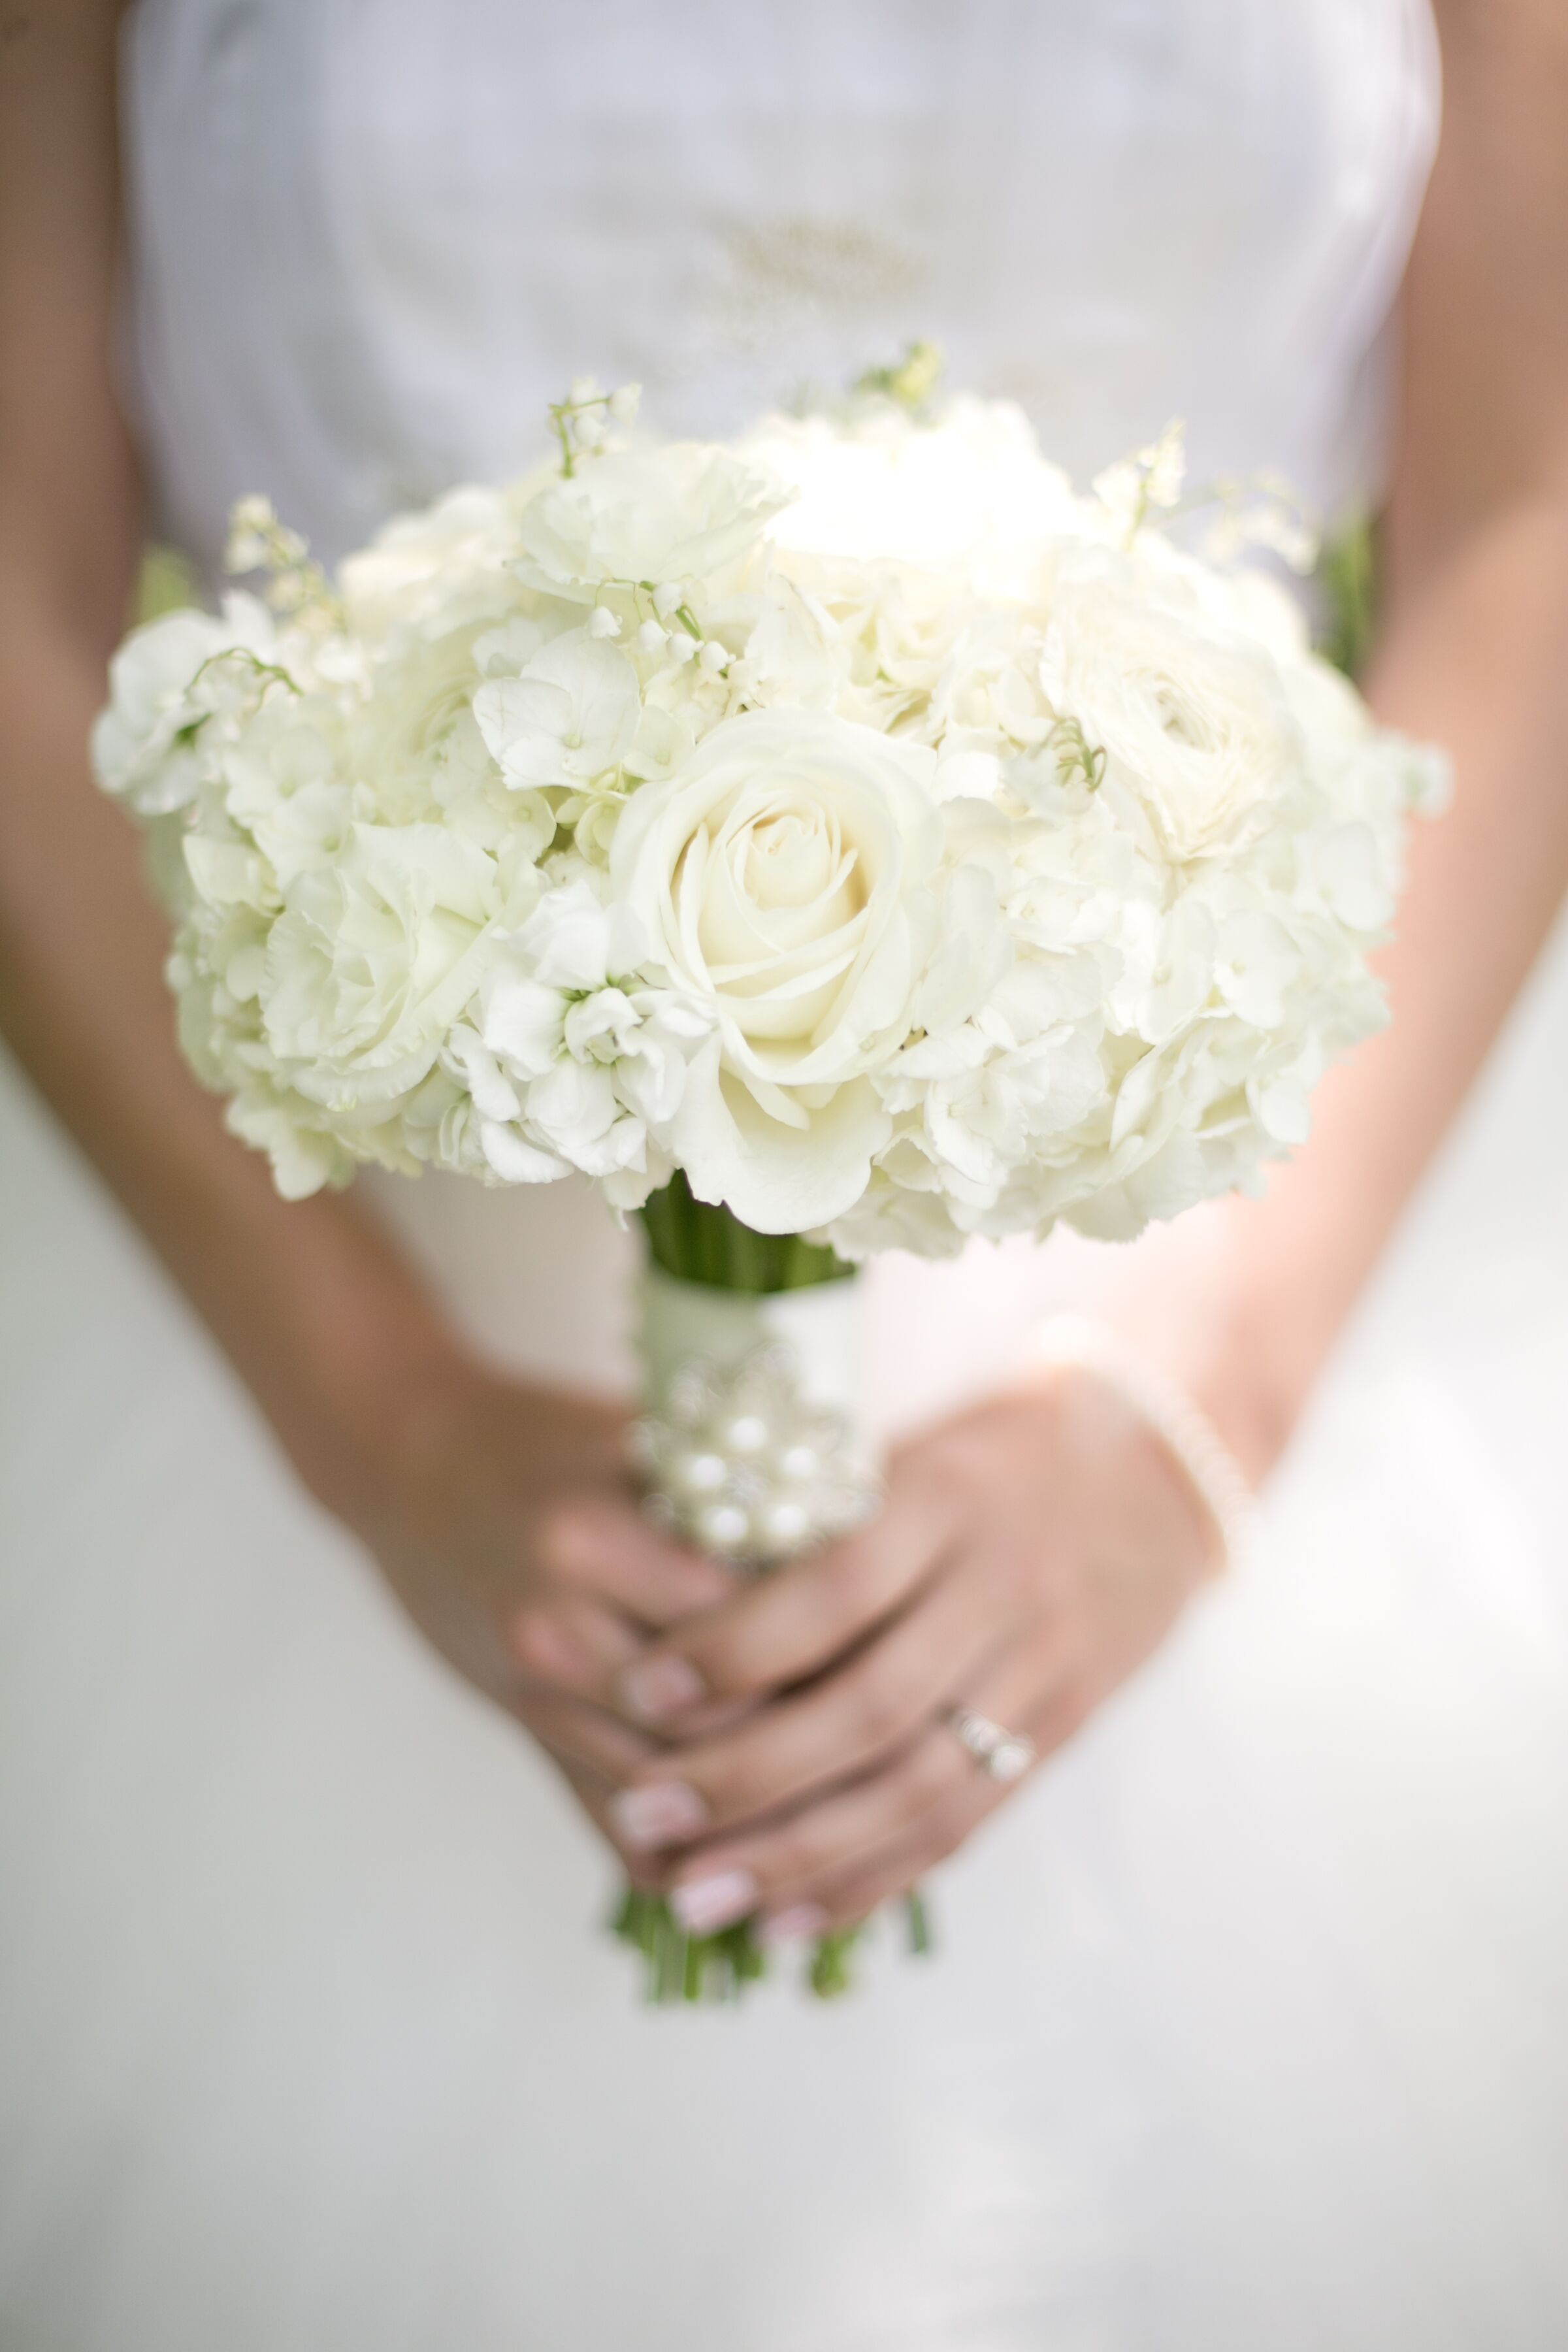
695,1242
680,1968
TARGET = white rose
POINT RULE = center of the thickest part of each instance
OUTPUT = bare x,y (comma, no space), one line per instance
783,878
1197,726
373,958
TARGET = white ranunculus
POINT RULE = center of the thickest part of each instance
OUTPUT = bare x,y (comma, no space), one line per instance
1196,725
375,957
782,879
686,512
569,716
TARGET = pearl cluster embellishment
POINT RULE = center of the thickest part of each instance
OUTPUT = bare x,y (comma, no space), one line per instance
741,1462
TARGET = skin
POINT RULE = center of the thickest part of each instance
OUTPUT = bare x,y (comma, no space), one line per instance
780,1746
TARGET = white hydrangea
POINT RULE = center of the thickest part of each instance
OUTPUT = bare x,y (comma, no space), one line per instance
852,817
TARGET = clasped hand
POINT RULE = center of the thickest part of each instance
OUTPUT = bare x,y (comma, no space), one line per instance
784,1747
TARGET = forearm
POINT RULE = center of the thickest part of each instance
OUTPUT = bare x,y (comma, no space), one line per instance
1471,656
317,1312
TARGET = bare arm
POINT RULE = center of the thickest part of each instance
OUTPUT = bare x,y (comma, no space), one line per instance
306,1301
952,1595
498,1512
1472,652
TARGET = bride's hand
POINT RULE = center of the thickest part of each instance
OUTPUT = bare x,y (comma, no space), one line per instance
505,1520
1030,1555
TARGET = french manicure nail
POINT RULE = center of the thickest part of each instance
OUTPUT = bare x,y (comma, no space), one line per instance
798,1924
660,1814
655,1687
704,1905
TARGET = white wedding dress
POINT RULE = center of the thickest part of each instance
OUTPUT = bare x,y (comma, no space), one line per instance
1248,2028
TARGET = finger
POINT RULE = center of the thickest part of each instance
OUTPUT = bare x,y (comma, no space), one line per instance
1029,1693
603,1544
592,1793
1044,1694
852,1896
791,1863
790,1624
584,1736
573,1641
838,1728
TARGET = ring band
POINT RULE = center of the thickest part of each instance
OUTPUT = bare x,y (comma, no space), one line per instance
1002,1754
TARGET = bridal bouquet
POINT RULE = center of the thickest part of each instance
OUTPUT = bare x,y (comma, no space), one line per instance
840,839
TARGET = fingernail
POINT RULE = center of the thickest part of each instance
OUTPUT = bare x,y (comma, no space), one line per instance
660,1814
655,1687
703,1904
796,1925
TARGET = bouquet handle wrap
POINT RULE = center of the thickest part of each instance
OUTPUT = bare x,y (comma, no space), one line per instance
750,1438
750,1447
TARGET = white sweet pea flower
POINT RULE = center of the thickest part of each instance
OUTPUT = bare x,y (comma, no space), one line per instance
781,878
650,1072
794,654
570,715
304,1157
1256,962
523,1020
600,1027
594,1067
686,512
467,1055
663,740
574,1109
973,950
152,745
575,937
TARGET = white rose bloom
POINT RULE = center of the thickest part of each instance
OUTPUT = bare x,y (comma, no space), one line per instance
684,512
781,877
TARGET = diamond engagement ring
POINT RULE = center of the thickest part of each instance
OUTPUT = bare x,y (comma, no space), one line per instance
1005,1755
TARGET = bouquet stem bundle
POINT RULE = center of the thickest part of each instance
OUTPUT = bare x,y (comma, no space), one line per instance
692,1243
